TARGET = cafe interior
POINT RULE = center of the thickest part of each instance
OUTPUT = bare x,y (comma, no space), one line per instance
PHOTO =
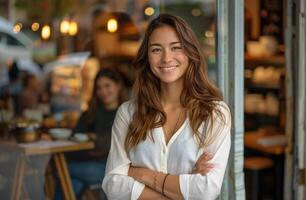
72,43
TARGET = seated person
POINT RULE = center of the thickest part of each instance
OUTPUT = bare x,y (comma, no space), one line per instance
30,94
87,167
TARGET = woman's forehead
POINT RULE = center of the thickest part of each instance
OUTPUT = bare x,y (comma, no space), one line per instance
164,34
104,79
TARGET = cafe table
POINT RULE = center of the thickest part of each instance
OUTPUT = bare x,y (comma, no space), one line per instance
262,141
273,144
55,148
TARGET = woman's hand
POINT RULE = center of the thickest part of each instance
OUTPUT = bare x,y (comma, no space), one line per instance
202,166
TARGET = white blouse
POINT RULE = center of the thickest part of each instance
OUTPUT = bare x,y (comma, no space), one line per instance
178,157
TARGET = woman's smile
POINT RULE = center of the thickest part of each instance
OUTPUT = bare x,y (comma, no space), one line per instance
168,68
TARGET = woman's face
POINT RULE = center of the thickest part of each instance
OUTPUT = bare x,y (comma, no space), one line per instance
107,91
167,59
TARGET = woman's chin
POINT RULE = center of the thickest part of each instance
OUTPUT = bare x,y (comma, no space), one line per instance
169,79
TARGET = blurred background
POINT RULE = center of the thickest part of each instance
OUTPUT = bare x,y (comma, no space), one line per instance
40,35
52,50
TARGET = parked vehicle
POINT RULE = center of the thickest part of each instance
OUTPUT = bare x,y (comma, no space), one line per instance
15,47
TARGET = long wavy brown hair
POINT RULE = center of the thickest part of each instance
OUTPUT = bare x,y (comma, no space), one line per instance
94,101
199,96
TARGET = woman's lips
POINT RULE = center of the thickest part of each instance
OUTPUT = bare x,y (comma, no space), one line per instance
168,68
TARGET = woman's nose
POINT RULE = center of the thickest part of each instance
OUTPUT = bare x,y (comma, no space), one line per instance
167,56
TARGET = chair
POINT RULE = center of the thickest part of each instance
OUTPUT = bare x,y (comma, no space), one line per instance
256,165
94,192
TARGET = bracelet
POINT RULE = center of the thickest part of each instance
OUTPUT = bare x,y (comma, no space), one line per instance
163,188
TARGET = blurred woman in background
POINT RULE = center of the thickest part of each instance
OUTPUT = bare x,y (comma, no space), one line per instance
87,167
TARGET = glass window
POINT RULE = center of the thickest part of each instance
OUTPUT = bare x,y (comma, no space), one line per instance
13,41
2,36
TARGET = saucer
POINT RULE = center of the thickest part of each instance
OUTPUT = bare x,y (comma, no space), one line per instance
80,137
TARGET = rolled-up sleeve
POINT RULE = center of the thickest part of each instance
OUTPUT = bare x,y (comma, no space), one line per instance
208,187
116,183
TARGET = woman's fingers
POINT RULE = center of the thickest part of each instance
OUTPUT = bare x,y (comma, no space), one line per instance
203,169
201,165
206,156
203,172
204,166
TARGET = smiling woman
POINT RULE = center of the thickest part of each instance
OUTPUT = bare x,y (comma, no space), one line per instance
168,60
172,140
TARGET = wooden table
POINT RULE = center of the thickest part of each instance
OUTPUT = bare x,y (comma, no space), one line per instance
276,150
57,149
251,139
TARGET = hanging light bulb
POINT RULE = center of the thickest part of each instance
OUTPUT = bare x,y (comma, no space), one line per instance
149,11
64,27
112,25
17,28
35,26
73,28
196,12
46,32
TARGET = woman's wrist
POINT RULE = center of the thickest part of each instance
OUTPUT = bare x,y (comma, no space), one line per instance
153,179
163,186
142,175
150,178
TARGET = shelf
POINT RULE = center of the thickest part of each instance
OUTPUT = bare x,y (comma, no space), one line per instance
261,89
262,118
261,115
255,121
253,62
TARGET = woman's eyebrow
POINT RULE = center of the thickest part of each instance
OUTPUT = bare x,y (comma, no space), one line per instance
157,44
172,43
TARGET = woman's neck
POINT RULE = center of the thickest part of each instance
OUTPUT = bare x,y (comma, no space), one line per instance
111,106
171,94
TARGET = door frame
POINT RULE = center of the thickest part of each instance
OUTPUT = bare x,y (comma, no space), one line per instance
295,163
230,65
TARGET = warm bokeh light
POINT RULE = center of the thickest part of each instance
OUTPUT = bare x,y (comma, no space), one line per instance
73,28
112,25
46,32
149,11
196,12
209,34
17,28
35,26
64,27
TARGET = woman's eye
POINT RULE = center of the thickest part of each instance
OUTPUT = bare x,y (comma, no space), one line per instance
155,50
176,48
